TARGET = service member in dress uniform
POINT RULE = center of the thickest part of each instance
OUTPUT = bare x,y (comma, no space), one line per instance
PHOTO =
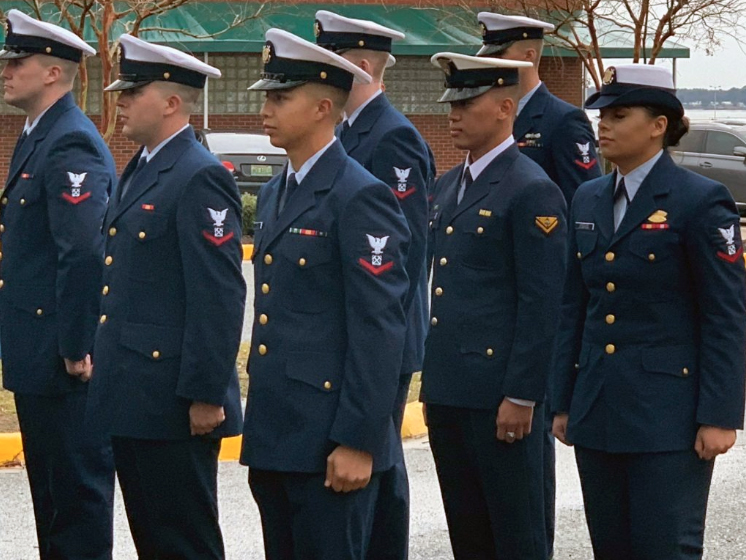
650,360
329,330
165,385
388,145
50,279
557,136
498,230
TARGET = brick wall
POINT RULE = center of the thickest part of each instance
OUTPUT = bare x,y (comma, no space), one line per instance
562,76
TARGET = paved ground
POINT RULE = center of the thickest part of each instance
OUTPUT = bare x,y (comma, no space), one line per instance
726,534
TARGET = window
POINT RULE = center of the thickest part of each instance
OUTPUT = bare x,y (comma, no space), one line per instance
414,86
693,141
722,143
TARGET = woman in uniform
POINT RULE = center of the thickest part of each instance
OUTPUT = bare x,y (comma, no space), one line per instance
649,366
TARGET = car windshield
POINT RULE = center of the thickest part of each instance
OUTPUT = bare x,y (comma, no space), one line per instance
241,143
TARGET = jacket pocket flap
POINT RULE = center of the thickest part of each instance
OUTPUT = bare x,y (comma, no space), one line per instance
673,360
39,301
585,242
146,226
153,341
321,371
307,252
482,348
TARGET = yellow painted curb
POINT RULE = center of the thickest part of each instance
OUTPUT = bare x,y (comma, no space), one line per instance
248,249
11,448
414,421
230,449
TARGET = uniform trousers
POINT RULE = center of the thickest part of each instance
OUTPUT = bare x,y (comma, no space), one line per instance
645,506
492,490
303,520
171,497
390,537
71,478
550,480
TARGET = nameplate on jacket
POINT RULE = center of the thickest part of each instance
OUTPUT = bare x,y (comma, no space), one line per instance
485,213
308,232
585,226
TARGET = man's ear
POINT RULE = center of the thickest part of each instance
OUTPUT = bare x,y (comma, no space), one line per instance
52,74
174,103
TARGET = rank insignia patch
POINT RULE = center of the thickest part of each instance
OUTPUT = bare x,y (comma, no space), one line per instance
658,217
585,160
76,196
547,224
485,213
376,266
403,190
218,235
733,250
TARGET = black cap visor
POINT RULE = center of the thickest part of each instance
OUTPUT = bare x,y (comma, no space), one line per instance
635,97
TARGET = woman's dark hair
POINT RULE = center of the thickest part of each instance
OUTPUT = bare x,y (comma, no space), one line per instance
677,126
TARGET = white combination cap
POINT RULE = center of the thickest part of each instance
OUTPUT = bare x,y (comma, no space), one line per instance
633,85
26,36
499,30
141,62
290,61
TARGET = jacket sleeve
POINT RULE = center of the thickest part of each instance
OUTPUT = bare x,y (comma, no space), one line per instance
715,254
77,179
574,153
209,225
570,332
539,255
374,304
401,161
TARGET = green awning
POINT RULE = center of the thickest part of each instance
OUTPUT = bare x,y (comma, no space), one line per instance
428,30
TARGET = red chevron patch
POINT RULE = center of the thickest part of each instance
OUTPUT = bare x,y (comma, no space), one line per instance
586,166
76,199
217,241
375,270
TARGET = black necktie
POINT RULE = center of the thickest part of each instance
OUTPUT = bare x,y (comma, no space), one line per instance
620,208
466,182
345,130
290,187
131,179
20,142
621,190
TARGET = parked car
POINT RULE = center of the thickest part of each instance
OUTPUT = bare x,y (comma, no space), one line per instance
249,156
717,150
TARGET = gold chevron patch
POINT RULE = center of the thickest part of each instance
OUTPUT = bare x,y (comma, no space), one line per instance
547,224
658,217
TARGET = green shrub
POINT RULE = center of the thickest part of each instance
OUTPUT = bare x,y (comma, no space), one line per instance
248,203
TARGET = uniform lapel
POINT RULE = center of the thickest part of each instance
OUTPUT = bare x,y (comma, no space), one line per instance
320,178
603,211
46,123
491,175
646,201
364,123
449,198
534,109
148,177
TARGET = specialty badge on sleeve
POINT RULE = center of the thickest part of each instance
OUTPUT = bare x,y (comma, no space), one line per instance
76,196
731,248
403,188
585,160
218,235
376,266
547,224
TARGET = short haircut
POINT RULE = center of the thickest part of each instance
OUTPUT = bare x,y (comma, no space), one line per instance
189,95
68,68
337,96
377,59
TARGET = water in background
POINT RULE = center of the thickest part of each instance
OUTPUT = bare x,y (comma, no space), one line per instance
727,116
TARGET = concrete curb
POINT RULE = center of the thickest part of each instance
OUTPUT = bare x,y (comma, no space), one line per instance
11,448
248,250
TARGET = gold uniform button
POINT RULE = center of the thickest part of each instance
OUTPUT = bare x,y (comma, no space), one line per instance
443,261
108,260
610,348
262,349
40,312
102,320
685,372
490,351
577,366
5,200
263,319
22,201
105,290
651,257
610,256
156,354
579,255
2,283
142,235
267,259
327,385
112,231
301,262
438,291
610,287
265,288
610,319
449,230
480,230
434,321
2,227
